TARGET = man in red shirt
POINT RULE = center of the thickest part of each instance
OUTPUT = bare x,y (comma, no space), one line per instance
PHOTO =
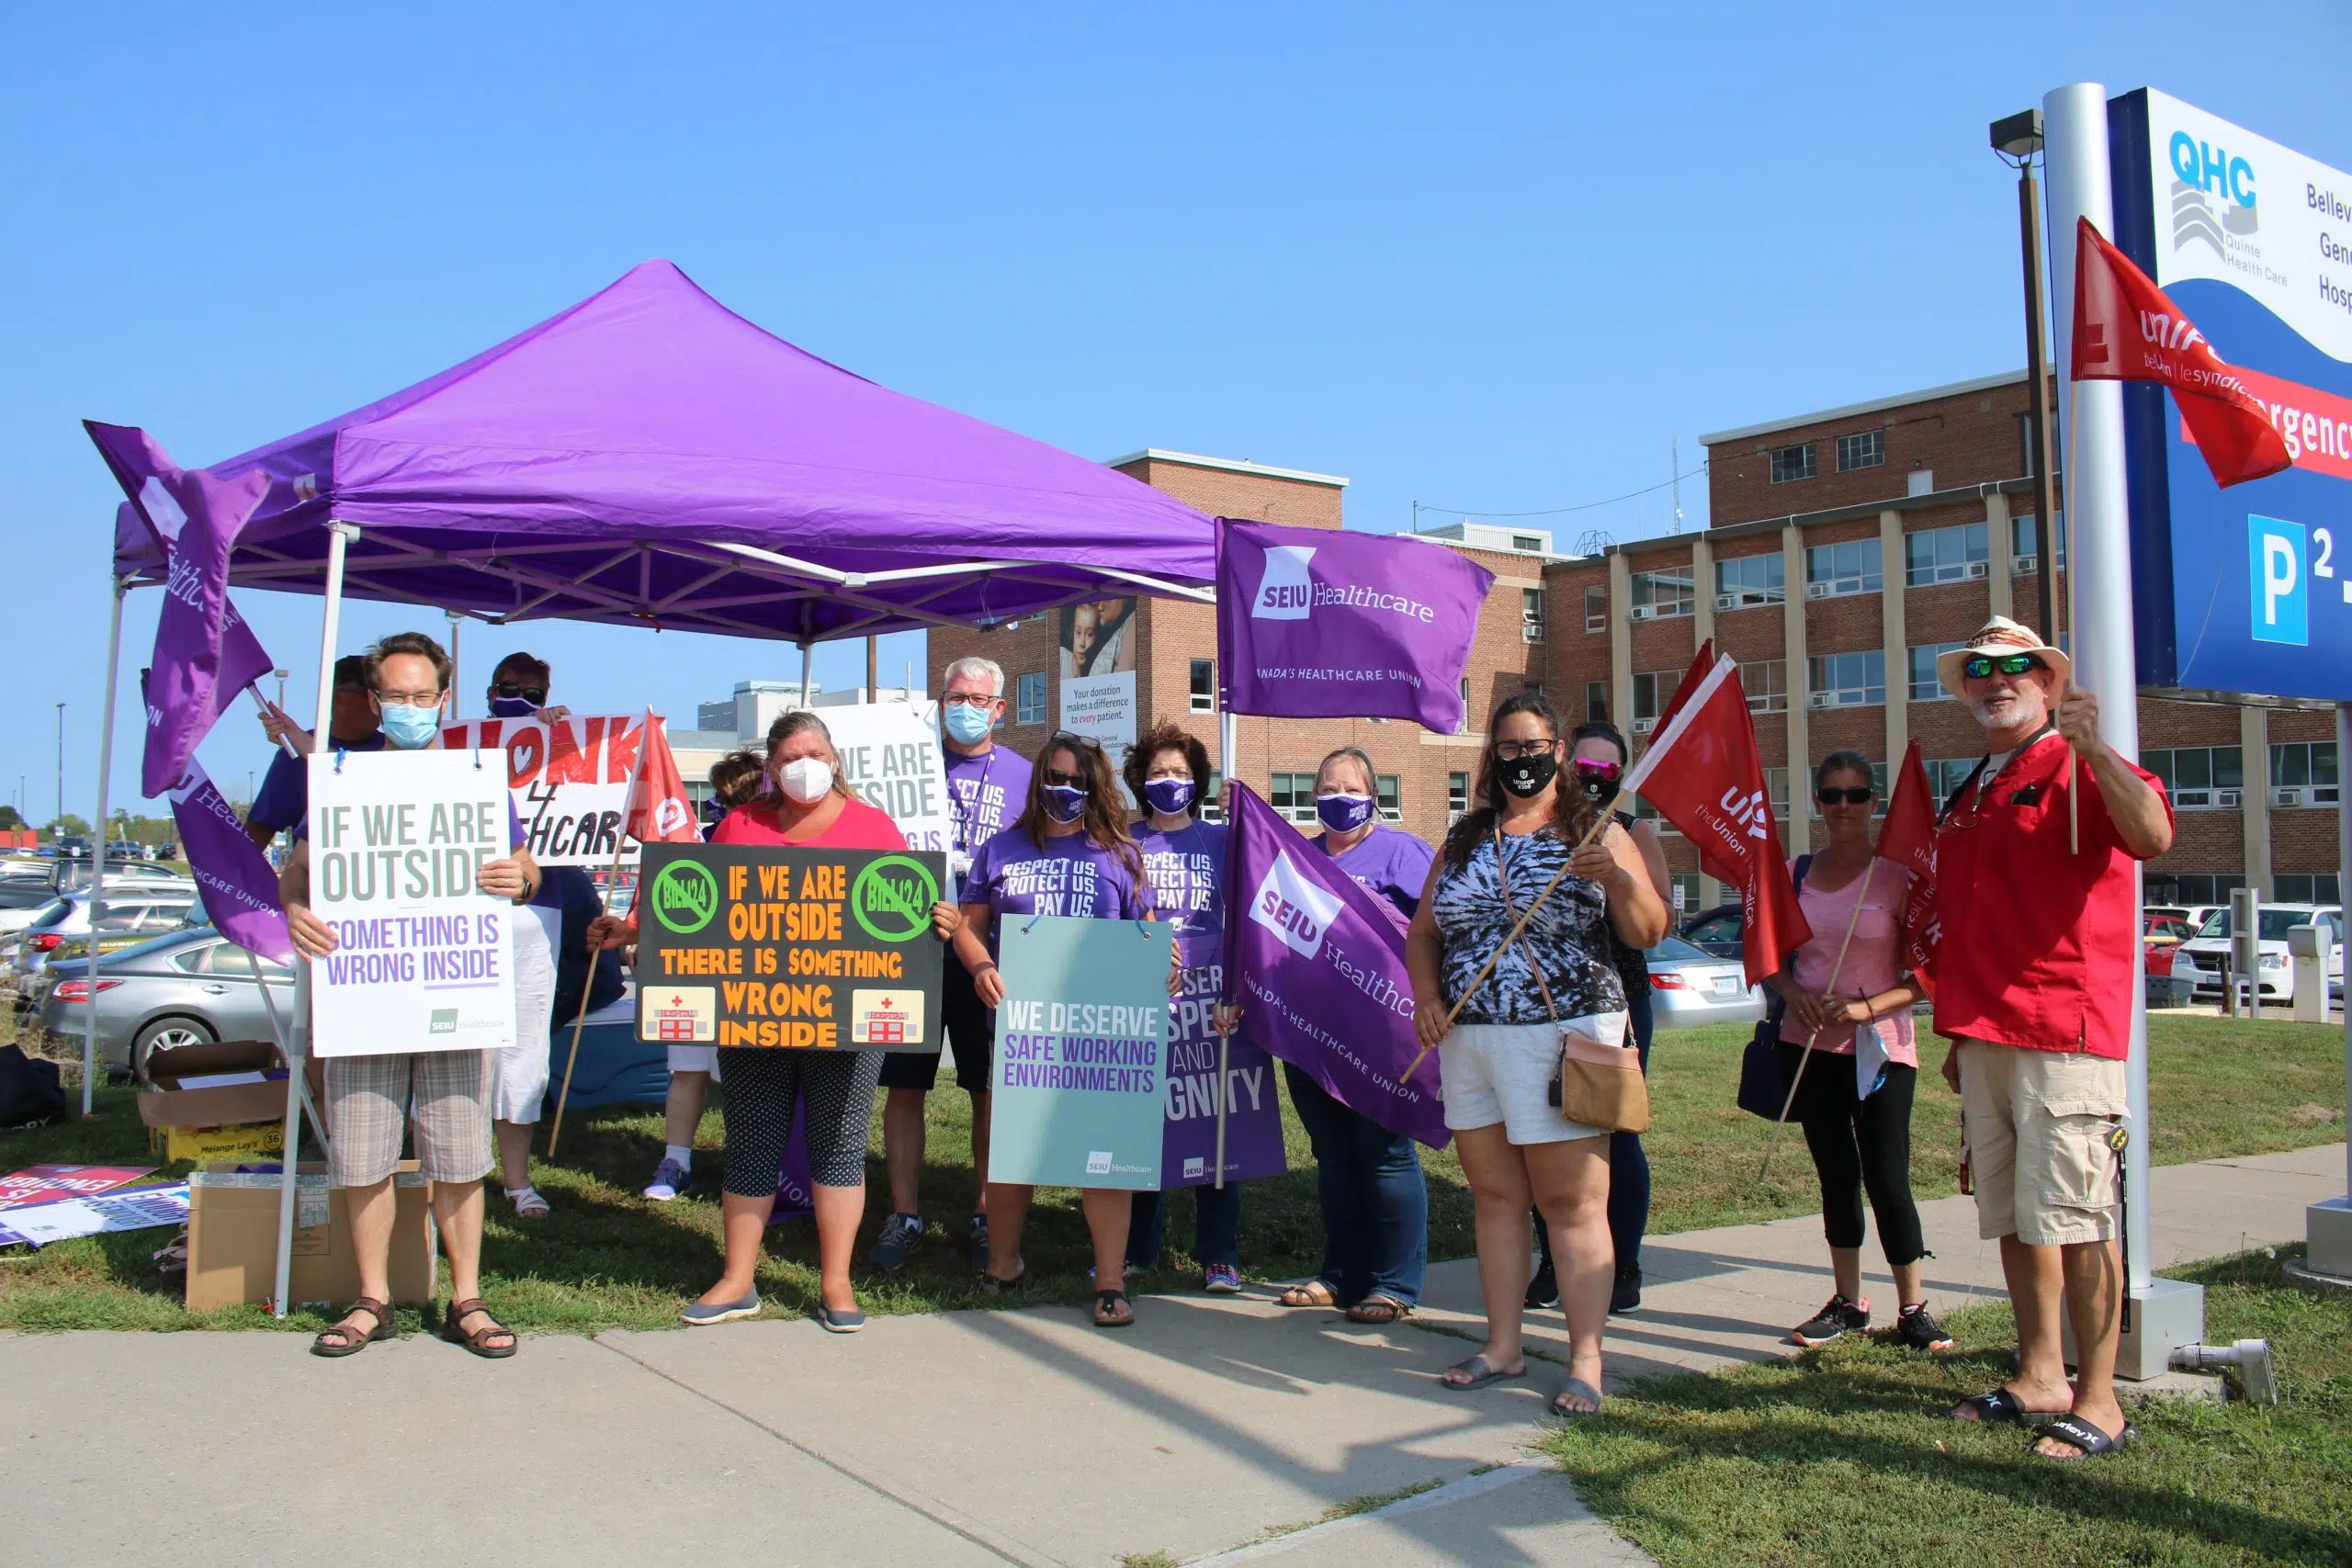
2039,951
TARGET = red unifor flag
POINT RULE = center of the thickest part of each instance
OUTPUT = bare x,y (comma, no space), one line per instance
2126,330
1701,662
1909,839
658,811
1703,775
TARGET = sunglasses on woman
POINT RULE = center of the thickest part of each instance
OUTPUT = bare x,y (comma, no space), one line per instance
1064,777
1976,666
1858,796
1598,771
536,695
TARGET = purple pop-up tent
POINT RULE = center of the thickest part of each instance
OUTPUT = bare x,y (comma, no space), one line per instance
650,458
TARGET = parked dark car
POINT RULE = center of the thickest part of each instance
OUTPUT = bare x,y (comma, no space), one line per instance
189,987
1715,930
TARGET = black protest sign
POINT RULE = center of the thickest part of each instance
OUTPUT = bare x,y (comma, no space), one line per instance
808,949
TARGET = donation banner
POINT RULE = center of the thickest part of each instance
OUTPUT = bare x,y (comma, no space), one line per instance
571,780
891,760
1103,709
1317,965
421,958
1253,1122
799,949
1081,1052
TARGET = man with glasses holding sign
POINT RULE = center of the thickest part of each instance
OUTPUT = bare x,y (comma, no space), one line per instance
2039,954
988,785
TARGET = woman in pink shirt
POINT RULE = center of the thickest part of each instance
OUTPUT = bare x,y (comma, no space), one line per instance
1850,981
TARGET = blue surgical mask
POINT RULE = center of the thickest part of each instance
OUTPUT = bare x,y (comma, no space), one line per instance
511,708
408,729
1344,813
1065,803
966,724
1170,797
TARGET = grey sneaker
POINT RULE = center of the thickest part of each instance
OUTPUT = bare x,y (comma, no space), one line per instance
702,1315
1838,1315
979,1246
901,1233
669,1178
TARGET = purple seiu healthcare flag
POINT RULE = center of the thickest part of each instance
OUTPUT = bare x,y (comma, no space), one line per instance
1317,963
239,888
1316,623
205,653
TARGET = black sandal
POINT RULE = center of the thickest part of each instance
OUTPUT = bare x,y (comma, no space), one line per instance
479,1341
352,1341
2073,1429
991,1283
1999,1406
1379,1308
1106,1302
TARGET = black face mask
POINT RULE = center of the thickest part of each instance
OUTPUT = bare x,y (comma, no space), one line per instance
1526,777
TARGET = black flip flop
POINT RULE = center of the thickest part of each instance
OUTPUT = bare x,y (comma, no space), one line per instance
1103,1302
2093,1443
1999,1406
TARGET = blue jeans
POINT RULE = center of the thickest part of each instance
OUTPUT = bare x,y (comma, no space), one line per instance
1217,1227
1629,1168
1375,1206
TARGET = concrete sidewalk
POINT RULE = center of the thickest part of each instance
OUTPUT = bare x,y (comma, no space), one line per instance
962,1437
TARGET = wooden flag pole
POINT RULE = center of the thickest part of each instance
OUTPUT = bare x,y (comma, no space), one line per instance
587,987
1836,969
1607,815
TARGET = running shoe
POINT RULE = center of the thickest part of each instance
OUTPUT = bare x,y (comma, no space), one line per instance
1915,1328
901,1233
979,1243
669,1178
1221,1279
1625,1295
1543,1290
1837,1317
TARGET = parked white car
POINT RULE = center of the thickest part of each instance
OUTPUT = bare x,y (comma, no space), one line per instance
2202,958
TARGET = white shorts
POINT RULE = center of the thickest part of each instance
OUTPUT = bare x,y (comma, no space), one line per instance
695,1059
519,1073
1502,1072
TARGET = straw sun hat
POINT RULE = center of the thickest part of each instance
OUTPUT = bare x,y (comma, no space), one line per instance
2001,636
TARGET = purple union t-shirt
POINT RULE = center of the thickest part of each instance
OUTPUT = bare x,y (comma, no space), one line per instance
1388,861
1186,871
1072,875
985,793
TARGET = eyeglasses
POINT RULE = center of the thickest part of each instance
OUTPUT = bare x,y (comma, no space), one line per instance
1518,750
534,695
1860,797
1976,666
1595,769
409,699
969,699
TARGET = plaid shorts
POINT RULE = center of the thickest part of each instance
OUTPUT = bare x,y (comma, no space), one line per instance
368,1104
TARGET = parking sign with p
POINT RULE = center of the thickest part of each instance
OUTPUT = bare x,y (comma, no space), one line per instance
2275,576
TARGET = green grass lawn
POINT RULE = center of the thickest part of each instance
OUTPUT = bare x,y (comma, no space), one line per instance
1837,1456
607,1258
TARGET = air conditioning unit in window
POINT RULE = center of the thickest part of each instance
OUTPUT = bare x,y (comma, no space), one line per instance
1643,726
1643,612
2287,795
1530,631
1976,569
2024,566
1726,601
2228,797
1816,590
1822,699
1596,622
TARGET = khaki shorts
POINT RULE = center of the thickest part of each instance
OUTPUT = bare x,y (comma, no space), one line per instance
2036,1125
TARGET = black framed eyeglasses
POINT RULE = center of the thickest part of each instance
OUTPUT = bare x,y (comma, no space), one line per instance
534,695
1859,796
1517,750
1976,666
969,699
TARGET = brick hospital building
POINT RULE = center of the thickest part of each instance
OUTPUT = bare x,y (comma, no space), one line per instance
1848,548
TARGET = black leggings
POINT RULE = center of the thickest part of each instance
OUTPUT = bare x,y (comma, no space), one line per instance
836,1087
1859,1145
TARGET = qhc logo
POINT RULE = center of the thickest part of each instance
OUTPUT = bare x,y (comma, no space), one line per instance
1294,908
2212,194
1286,592
2281,609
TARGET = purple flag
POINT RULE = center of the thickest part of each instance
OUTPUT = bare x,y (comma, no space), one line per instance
1317,963
1316,623
795,1186
205,653
240,889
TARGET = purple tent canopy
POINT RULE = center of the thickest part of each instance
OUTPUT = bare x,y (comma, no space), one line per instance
650,458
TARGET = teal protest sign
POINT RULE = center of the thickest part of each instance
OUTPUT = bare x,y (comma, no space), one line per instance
1082,1053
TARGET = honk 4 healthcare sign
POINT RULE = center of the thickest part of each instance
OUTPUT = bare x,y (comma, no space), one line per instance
1082,1053
423,958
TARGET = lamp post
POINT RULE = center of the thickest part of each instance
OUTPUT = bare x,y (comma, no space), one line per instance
2017,140
61,762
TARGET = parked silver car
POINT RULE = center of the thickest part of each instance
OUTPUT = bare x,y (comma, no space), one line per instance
1689,986
66,919
186,988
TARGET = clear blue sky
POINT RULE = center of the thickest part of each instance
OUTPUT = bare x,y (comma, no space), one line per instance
1488,258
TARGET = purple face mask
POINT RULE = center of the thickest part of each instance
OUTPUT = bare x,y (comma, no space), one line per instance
1344,813
1170,797
1065,803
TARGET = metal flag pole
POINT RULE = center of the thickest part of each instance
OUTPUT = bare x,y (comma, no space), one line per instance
1228,729
339,538
98,838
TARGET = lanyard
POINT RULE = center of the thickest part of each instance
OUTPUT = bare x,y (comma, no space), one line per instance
963,813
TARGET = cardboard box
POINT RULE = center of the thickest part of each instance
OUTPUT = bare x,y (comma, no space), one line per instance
162,1103
233,1238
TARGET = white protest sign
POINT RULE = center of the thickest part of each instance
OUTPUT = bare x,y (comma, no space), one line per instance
424,958
891,760
571,780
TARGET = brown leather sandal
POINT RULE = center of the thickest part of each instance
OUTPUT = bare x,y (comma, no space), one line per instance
479,1341
349,1341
